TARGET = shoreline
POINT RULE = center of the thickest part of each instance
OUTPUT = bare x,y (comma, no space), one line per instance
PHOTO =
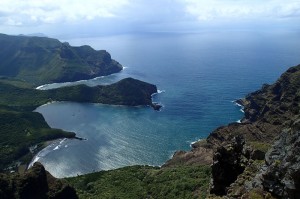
238,103
78,81
48,144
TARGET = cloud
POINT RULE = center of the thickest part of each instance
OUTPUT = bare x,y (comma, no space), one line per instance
205,10
30,12
123,16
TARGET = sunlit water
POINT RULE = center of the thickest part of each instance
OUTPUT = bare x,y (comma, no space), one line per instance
200,74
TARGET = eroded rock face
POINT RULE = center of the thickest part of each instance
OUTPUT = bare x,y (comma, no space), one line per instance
281,173
228,162
33,184
36,183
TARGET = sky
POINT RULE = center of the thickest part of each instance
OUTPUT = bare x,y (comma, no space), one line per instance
98,17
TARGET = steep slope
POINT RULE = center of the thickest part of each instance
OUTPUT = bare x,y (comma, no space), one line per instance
42,60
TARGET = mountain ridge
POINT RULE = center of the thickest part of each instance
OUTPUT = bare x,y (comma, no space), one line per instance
42,60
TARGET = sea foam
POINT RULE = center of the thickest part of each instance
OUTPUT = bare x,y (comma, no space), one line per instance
52,147
239,105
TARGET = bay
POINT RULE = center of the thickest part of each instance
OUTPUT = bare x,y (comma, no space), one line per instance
199,76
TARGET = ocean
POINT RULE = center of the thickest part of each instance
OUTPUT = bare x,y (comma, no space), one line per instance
199,75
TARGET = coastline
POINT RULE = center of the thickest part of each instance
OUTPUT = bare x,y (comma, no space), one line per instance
62,84
51,145
201,152
157,106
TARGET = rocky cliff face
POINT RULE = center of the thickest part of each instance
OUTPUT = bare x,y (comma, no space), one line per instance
36,183
280,174
245,161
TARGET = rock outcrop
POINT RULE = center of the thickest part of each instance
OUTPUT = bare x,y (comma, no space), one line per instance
280,175
228,162
36,183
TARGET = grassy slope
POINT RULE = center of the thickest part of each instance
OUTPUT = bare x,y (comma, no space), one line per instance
144,182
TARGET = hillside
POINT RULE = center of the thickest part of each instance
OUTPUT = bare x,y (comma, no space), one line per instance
41,60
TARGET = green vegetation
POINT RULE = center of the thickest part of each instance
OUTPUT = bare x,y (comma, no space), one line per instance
264,147
128,91
20,128
26,62
144,182
41,60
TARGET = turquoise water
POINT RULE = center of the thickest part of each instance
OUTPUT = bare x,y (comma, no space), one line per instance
200,75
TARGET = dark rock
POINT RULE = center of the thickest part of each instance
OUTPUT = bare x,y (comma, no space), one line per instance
228,163
156,106
241,102
281,173
257,155
36,183
5,187
79,138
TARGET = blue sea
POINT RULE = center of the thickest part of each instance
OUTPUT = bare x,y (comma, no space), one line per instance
198,75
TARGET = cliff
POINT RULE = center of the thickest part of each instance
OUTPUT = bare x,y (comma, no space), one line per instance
41,60
237,152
